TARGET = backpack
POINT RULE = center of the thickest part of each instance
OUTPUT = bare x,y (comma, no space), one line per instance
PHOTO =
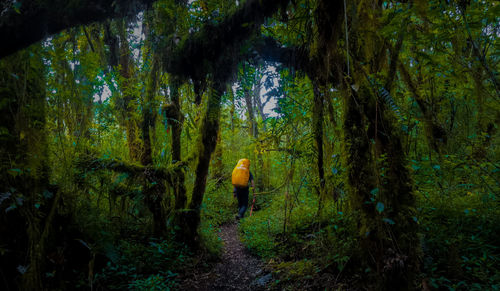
241,174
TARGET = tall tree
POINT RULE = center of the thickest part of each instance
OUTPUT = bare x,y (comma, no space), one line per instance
128,89
379,181
25,170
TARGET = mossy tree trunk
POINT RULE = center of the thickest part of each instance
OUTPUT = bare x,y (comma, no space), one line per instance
206,144
251,114
319,69
485,123
25,173
317,129
259,169
233,107
175,120
435,132
148,109
380,189
218,166
380,185
154,186
128,91
318,116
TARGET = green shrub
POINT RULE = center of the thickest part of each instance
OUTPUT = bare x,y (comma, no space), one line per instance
139,264
461,242
160,282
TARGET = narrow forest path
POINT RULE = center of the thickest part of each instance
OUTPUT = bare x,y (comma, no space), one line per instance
237,270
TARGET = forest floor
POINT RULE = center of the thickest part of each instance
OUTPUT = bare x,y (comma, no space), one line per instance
237,269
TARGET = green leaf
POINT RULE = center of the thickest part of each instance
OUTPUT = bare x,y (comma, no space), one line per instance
388,220
380,207
17,7
374,191
47,194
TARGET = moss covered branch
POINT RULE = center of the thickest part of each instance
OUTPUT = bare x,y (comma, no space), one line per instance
32,21
94,164
206,50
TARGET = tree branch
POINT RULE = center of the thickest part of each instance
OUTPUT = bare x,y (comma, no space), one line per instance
216,46
137,170
39,19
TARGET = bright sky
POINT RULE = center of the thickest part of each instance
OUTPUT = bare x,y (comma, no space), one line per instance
269,106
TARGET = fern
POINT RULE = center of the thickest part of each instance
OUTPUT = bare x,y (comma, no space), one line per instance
386,97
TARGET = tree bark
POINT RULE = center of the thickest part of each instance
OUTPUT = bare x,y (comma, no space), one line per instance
380,186
154,186
26,152
261,170
436,134
318,116
206,146
233,107
218,166
175,120
127,88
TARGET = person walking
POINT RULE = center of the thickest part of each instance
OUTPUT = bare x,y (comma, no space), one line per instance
241,179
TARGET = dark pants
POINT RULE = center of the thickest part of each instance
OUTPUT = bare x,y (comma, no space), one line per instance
242,195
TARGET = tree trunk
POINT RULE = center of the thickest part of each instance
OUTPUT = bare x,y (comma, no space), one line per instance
175,120
379,183
318,116
436,134
148,122
154,187
218,166
25,151
251,114
233,107
258,101
485,127
260,169
127,90
206,146
385,202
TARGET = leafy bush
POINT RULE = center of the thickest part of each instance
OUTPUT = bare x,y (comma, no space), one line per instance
307,249
461,243
155,282
139,264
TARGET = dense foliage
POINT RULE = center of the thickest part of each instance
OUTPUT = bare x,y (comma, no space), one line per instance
371,126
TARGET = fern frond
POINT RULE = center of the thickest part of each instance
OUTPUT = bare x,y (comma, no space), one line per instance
386,98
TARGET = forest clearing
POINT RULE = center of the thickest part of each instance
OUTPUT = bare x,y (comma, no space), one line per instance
249,145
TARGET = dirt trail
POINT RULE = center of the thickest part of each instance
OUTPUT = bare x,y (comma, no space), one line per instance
237,270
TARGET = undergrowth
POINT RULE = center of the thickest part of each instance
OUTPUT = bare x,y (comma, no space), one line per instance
144,266
461,242
305,248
